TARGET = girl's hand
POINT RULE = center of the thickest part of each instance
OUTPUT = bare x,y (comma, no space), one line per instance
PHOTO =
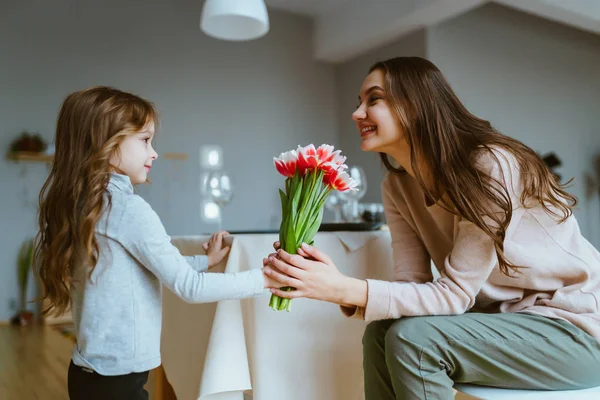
311,272
271,283
214,248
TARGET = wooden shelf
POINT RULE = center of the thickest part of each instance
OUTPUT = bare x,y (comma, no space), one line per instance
174,156
29,156
47,158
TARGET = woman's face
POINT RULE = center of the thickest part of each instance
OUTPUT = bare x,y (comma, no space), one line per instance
378,125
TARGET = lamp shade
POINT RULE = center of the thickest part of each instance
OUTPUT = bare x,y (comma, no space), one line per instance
235,20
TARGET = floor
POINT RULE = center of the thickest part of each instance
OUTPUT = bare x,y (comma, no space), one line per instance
34,362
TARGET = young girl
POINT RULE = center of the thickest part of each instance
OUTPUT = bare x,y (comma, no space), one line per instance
103,251
517,301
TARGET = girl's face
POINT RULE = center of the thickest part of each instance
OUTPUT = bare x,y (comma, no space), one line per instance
135,155
378,125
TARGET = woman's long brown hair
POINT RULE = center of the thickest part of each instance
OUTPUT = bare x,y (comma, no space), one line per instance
91,125
446,138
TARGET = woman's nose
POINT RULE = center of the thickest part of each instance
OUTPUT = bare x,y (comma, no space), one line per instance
359,113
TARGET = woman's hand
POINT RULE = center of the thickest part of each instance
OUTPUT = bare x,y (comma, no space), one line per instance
214,248
312,273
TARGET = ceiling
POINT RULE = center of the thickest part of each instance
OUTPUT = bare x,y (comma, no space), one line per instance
312,8
343,28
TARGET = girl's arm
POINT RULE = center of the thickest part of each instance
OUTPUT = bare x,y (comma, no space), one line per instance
142,234
198,263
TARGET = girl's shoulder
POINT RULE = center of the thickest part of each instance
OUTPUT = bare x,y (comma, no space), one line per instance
136,209
131,220
127,210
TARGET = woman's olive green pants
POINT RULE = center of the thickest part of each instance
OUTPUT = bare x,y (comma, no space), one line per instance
422,357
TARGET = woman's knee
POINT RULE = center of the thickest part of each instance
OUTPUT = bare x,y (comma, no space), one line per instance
417,332
374,335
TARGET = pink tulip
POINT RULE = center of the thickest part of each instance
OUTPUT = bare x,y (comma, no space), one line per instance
305,195
326,155
329,166
324,158
307,158
286,163
338,179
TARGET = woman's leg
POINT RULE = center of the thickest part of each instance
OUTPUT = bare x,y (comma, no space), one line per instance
88,385
378,383
426,355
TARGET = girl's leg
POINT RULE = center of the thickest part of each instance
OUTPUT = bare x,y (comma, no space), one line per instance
426,355
85,385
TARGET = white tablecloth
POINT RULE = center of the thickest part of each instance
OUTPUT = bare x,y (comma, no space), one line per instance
238,350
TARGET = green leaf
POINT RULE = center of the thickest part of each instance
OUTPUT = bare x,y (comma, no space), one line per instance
294,183
283,231
24,265
290,238
291,245
314,227
284,201
310,198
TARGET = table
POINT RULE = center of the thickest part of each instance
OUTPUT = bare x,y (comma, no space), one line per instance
237,350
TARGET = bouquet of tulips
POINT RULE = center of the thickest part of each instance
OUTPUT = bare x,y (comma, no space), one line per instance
311,174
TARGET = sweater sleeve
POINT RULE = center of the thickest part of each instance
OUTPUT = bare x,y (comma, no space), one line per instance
198,263
412,262
142,234
467,267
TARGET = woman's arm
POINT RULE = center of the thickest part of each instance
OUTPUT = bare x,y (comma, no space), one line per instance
411,260
466,269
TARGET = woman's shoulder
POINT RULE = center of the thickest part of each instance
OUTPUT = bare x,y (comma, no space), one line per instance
495,160
502,166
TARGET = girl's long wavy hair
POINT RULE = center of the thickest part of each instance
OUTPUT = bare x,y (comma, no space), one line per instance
91,125
448,140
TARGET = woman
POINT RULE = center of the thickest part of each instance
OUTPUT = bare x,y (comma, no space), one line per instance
517,301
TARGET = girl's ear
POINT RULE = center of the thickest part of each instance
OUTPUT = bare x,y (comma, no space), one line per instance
114,160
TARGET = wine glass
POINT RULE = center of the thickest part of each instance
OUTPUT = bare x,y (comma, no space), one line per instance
335,203
219,187
350,210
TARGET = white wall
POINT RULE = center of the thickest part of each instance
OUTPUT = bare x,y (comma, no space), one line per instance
535,80
255,99
349,78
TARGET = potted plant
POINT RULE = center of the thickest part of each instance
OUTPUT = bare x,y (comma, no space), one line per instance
24,264
28,143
